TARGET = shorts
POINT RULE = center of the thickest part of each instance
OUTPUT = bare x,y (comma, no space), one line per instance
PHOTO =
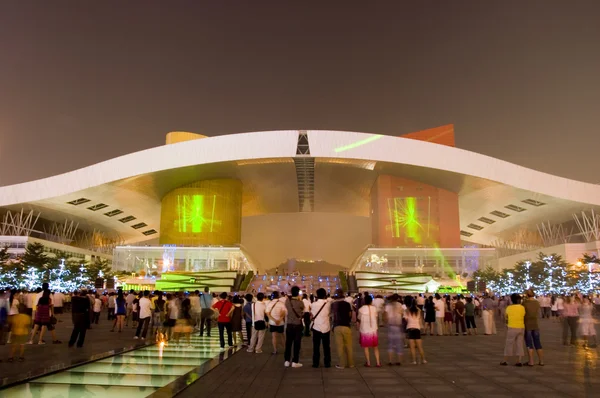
40,324
555,314
413,334
532,339
368,340
276,329
448,317
19,339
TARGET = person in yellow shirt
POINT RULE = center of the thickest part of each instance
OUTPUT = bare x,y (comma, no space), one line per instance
515,321
20,325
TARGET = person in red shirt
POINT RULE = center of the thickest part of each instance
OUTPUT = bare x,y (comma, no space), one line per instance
225,308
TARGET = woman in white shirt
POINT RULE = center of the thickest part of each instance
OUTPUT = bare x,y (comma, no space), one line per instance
413,331
367,326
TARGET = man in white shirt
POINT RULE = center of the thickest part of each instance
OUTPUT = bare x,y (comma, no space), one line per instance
259,326
379,302
145,313
440,306
196,309
58,300
320,312
306,315
129,300
276,311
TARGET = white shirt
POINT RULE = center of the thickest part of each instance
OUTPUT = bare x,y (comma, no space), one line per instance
349,300
129,300
440,307
321,323
277,311
412,321
97,305
378,303
145,307
14,308
367,314
306,305
560,303
58,299
258,311
394,313
420,300
195,303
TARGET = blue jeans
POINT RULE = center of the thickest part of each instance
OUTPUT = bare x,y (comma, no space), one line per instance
532,339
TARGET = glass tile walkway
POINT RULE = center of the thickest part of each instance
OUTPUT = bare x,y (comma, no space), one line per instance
133,374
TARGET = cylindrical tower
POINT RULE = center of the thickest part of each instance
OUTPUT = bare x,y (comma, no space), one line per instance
202,213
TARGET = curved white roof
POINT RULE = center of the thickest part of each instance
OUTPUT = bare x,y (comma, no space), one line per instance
136,182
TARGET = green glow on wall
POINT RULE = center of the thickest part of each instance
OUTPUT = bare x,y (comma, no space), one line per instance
357,143
404,218
191,215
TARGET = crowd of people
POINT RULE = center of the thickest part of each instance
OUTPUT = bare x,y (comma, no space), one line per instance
27,317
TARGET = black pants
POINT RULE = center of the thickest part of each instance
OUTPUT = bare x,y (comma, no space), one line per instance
306,323
78,334
205,319
249,331
144,322
222,327
326,339
470,322
460,321
293,336
111,314
96,317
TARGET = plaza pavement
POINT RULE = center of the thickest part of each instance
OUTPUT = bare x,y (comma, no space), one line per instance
463,366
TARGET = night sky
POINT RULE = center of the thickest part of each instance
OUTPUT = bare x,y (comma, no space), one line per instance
84,81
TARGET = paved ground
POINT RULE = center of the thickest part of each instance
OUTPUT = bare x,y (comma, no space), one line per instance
50,356
463,366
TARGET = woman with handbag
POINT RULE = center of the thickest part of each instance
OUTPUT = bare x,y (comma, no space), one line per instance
44,319
258,324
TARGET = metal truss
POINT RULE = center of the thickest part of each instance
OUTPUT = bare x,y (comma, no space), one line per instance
553,234
19,223
62,232
305,174
588,225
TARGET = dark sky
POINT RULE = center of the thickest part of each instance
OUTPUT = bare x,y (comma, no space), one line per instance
83,81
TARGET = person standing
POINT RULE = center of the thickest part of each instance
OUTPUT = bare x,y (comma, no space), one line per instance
293,337
489,322
367,326
379,303
225,309
532,330
111,306
440,305
206,312
144,314
341,310
306,317
196,310
394,315
80,309
129,299
470,316
429,315
588,330
459,316
570,315
248,317
158,314
413,323
258,323
515,316
276,312
320,312
236,321
120,312
97,308
58,300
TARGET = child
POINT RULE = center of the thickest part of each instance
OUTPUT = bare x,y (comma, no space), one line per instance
19,335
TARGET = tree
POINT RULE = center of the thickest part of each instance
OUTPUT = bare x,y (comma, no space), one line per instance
11,270
36,259
100,268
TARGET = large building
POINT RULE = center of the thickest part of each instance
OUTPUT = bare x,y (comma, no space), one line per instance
265,201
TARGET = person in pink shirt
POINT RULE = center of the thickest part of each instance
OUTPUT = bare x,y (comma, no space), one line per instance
570,315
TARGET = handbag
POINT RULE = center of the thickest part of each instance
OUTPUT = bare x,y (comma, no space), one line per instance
258,325
312,321
53,320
